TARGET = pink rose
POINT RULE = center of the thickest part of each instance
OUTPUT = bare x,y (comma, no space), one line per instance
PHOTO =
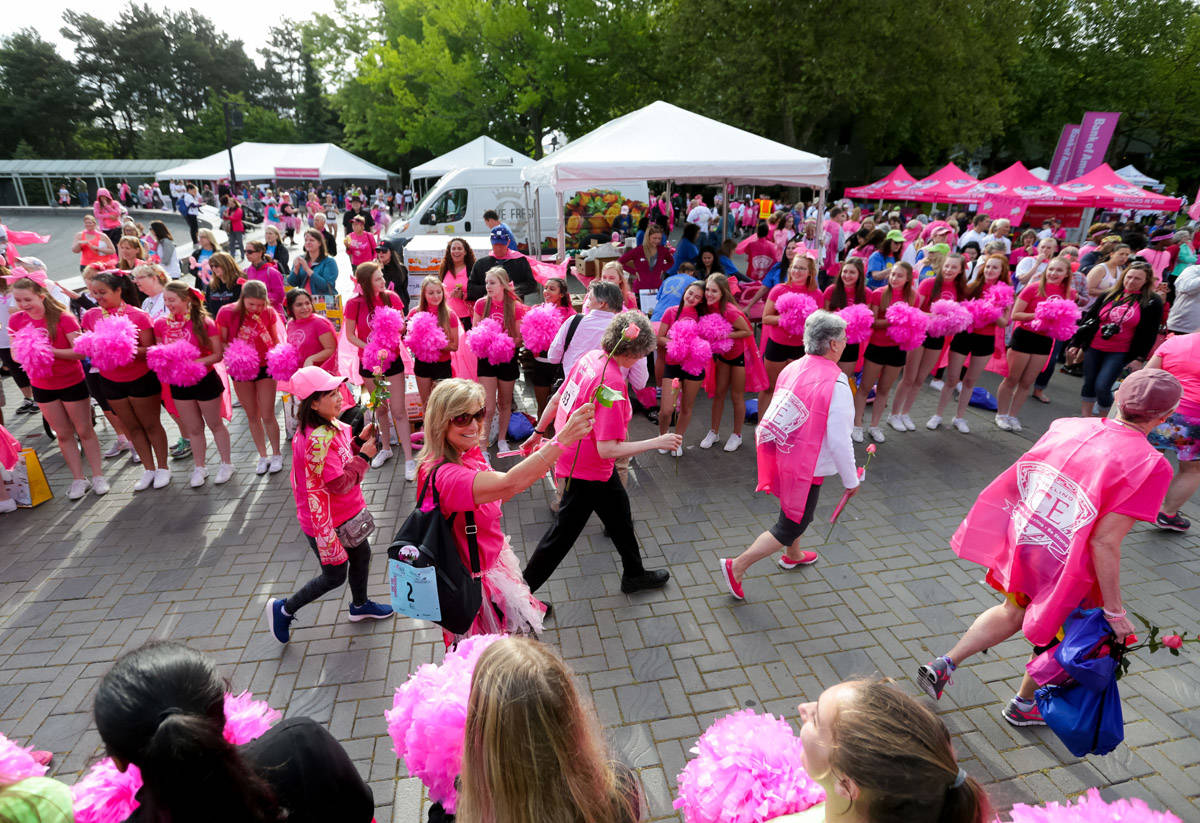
631,332
871,449
1130,639
1172,641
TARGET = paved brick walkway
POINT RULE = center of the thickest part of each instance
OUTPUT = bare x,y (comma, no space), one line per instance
81,583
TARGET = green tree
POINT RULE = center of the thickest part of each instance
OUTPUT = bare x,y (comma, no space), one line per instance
41,102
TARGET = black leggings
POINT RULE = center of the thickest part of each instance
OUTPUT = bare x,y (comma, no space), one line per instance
331,577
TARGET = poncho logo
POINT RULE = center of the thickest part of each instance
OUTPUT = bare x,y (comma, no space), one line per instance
1052,508
785,414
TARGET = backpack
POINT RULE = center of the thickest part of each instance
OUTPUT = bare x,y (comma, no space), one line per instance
181,206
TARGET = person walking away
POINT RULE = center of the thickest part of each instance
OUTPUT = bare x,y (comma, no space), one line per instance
190,209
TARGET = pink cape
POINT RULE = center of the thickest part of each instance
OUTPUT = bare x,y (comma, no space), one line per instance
791,430
10,449
1032,526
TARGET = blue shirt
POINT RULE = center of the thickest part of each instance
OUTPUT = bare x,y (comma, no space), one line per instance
877,262
685,252
512,238
670,293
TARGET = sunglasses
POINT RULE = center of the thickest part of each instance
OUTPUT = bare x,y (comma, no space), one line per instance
466,418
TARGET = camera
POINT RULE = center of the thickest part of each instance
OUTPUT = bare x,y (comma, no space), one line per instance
1109,330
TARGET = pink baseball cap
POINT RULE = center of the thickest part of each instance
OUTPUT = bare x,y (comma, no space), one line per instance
1149,392
313,379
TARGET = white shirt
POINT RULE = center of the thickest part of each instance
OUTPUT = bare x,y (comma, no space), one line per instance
700,216
971,236
991,238
587,338
1028,268
837,451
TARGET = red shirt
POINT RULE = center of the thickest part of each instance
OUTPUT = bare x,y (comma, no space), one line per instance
361,316
360,246
645,275
64,373
137,367
305,335
170,329
90,253
611,422
760,256
256,329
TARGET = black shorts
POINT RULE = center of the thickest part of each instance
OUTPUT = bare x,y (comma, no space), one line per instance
974,344
145,386
544,374
850,355
466,323
933,343
71,394
786,530
779,353
209,388
735,362
396,368
509,371
1030,342
674,371
96,390
886,355
438,370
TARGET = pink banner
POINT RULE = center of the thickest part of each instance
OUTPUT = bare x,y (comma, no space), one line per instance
1095,133
1060,165
292,173
1010,208
1194,211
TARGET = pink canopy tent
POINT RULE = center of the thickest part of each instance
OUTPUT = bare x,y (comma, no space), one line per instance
1017,181
1103,188
946,185
891,187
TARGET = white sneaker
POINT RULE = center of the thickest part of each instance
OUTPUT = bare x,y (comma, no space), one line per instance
199,475
734,441
1014,423
261,466
502,445
908,423
224,472
135,458
937,385
78,489
663,451
934,422
679,451
410,470
961,425
856,434
1002,423
381,458
99,486
709,440
144,481
119,445
876,434
162,477
8,505
896,422
276,464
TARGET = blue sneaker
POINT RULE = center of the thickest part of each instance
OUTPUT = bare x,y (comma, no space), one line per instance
278,622
369,611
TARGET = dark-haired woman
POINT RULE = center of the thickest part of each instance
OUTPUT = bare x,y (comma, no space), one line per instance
168,254
313,335
252,321
883,358
200,404
545,373
454,273
395,273
161,708
315,271
499,303
328,465
692,306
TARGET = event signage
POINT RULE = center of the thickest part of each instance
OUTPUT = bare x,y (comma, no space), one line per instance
1095,133
1061,164
293,173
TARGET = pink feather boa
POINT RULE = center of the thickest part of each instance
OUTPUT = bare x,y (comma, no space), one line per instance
111,344
686,347
1056,317
794,308
31,348
906,325
540,325
107,795
716,330
948,317
426,338
17,762
428,717
1091,808
177,363
283,361
859,321
241,360
747,769
490,341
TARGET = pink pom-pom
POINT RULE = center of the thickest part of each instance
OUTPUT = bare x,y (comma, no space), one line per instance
679,339
428,717
948,317
111,344
1001,294
377,357
105,794
426,338
747,769
859,321
502,350
177,363
716,330
1091,808
983,313
283,360
247,719
17,762
540,325
1056,317
387,326
699,355
241,360
794,308
31,348
489,341
906,325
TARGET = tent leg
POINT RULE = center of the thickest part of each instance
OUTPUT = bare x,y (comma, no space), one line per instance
724,211
21,198
671,206
529,224
562,227
1085,221
820,223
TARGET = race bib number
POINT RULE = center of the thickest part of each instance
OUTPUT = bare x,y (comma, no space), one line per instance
414,591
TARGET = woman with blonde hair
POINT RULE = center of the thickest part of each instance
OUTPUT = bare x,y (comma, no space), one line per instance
729,369
151,279
781,347
500,303
206,247
533,750
883,358
613,272
466,485
130,252
433,300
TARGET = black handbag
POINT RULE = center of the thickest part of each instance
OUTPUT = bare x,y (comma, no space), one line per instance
460,594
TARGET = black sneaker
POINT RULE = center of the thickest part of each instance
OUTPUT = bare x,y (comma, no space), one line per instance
652,415
934,676
1172,523
28,406
653,579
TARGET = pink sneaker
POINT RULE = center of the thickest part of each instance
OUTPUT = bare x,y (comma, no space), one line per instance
806,559
735,588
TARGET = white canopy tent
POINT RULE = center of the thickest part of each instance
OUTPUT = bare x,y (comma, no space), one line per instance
482,151
1136,178
1040,172
631,149
284,161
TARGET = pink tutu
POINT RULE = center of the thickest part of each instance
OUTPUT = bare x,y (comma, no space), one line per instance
505,587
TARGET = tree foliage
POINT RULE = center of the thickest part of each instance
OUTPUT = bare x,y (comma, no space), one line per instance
40,98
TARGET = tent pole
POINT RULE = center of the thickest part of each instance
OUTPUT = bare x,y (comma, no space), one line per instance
724,211
671,206
820,223
529,221
562,226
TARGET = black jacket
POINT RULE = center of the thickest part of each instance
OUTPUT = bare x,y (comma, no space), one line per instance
1143,336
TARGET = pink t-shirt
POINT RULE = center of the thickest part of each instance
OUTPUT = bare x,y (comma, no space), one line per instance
668,319
170,329
1181,357
338,507
760,256
850,297
498,312
305,335
63,373
458,305
445,352
925,292
1032,298
271,277
611,422
142,322
256,329
1127,314
776,333
358,313
879,337
456,493
990,329
361,247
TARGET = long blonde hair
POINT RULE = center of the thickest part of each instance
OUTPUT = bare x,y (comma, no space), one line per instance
448,399
622,279
510,300
443,313
532,748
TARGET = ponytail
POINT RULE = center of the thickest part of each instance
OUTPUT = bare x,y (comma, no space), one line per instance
965,802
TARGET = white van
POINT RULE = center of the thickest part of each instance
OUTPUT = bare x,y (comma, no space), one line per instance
455,206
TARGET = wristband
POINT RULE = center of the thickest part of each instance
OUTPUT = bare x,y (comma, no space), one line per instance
540,432
1115,615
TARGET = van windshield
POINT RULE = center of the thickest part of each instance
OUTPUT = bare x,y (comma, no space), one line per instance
450,206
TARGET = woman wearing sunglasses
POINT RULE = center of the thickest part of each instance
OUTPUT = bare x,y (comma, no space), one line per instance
465,482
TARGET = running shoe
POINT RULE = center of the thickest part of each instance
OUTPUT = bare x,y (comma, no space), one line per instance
856,434
1022,715
709,440
380,458
99,486
370,611
934,422
119,445
896,422
79,488
1173,522
908,423
735,588
961,425
787,564
877,434
276,463
934,676
734,442
1002,423
278,621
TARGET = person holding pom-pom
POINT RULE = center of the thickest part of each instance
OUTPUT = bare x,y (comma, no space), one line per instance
850,289
786,344
312,334
556,300
729,367
432,302
884,358
679,384
161,708
499,303
253,322
199,404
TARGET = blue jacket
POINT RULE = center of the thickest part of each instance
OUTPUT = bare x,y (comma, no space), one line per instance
685,252
670,293
324,278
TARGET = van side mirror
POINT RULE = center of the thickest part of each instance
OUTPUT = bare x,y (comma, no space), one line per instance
429,219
